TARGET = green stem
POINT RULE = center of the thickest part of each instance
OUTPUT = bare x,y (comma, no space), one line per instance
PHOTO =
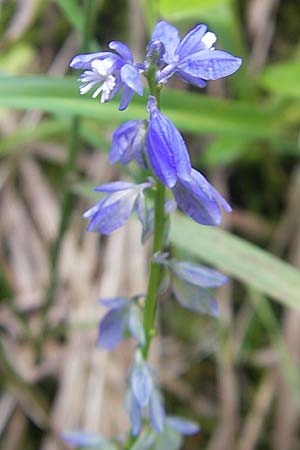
155,269
158,245
158,241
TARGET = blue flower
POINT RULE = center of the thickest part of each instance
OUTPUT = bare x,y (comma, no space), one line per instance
165,148
112,211
123,316
128,143
199,199
192,284
84,439
182,426
193,59
143,396
110,72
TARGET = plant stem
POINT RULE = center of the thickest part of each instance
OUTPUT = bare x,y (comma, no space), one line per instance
155,269
158,242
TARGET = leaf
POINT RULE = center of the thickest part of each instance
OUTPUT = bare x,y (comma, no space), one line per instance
282,79
240,259
190,112
181,9
72,12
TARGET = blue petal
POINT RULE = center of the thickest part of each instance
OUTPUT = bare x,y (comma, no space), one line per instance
169,36
135,414
191,43
84,61
122,49
131,77
155,53
196,274
194,297
210,64
122,140
190,79
183,426
111,329
157,412
113,211
83,438
198,199
166,149
141,383
126,97
135,325
141,209
115,90
221,200
128,142
114,303
115,186
93,210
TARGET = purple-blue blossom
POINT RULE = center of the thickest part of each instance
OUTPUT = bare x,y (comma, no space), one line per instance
122,319
143,397
108,72
121,200
192,284
84,439
128,143
166,149
182,425
194,58
200,200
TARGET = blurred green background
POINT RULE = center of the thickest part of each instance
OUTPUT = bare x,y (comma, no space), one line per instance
238,377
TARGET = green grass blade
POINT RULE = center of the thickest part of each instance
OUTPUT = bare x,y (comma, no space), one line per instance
72,12
190,112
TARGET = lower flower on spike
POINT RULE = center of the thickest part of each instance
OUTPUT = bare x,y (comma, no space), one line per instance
112,211
199,199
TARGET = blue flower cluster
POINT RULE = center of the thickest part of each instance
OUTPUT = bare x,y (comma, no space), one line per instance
155,143
157,146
